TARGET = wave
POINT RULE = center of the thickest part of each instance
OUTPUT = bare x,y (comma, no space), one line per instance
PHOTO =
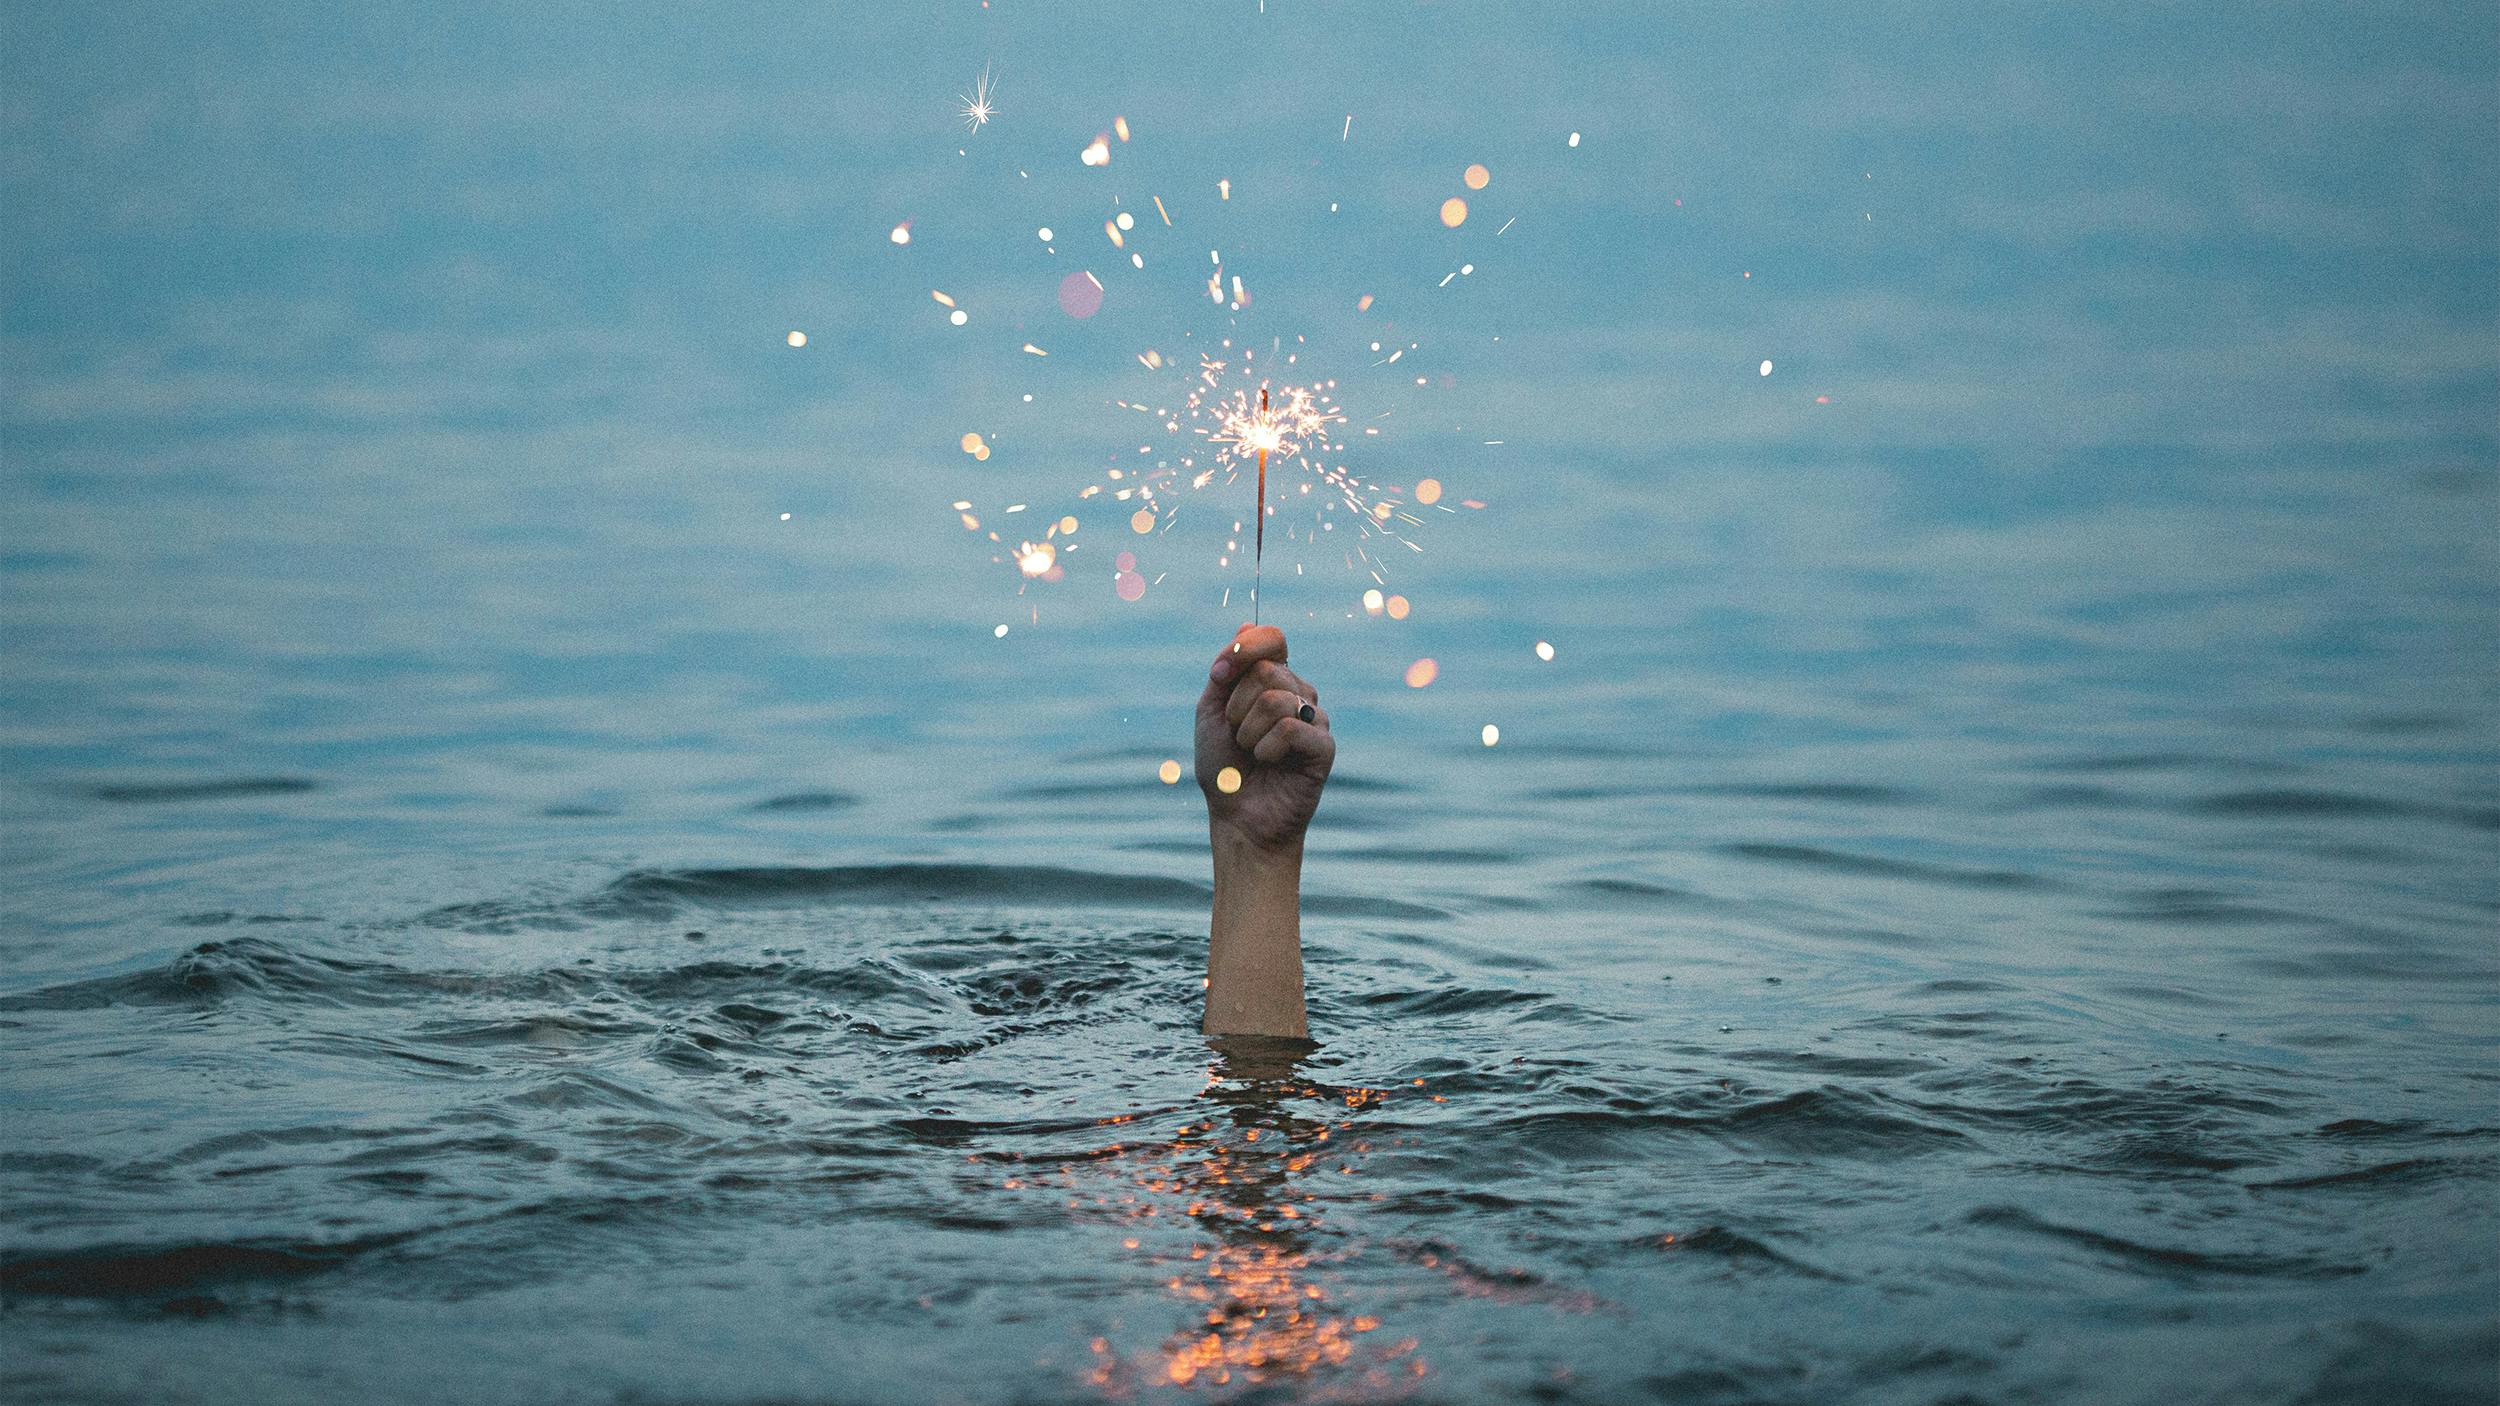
223,788
1808,856
659,893
2167,1260
804,802
1837,792
1828,1122
2410,1171
144,1271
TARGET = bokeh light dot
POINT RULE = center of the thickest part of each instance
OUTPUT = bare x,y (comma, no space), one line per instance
959,317
1398,607
797,339
1169,773
1421,673
1142,521
1079,295
1544,650
1492,734
1428,491
1478,177
1453,212
1228,780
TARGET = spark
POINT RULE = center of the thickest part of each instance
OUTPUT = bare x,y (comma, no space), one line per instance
977,108
1240,431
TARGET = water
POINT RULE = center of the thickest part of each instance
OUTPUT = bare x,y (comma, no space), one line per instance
1992,899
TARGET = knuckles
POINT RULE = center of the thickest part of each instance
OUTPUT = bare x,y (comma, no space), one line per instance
1255,685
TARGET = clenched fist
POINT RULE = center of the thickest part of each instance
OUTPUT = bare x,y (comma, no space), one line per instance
1264,749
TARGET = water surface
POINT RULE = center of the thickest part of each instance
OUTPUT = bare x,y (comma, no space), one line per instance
1992,898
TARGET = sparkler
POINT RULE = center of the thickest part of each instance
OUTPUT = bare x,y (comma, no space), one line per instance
1263,432
1241,412
1258,541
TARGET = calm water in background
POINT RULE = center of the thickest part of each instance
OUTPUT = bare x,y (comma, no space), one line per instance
1994,897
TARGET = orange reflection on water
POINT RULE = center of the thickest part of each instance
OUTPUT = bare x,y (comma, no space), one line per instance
1256,1286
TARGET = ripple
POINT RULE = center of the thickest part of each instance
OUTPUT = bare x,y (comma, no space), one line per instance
2168,1261
2266,804
223,788
154,1271
1837,792
1810,857
804,802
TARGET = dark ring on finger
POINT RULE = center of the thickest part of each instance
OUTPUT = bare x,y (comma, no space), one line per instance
1307,714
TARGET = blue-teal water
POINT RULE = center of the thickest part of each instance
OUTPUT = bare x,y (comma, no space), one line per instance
1992,898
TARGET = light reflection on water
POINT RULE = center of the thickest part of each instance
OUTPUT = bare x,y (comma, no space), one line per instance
1243,1180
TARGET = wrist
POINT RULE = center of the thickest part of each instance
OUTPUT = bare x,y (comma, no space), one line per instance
1243,851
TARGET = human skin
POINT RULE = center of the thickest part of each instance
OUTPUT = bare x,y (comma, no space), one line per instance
1250,722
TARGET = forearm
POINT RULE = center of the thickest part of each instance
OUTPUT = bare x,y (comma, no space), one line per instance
1254,948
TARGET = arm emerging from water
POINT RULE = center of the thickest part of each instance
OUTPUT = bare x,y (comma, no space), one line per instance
1264,751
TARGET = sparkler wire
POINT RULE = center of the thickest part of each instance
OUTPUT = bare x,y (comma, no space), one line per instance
1258,540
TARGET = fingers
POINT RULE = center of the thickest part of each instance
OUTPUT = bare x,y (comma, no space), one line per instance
1271,710
1250,644
1296,740
1263,676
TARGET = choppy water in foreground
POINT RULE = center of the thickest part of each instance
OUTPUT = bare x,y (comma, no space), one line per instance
1993,898
1899,1065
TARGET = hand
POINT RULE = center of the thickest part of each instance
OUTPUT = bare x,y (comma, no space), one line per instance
1259,719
